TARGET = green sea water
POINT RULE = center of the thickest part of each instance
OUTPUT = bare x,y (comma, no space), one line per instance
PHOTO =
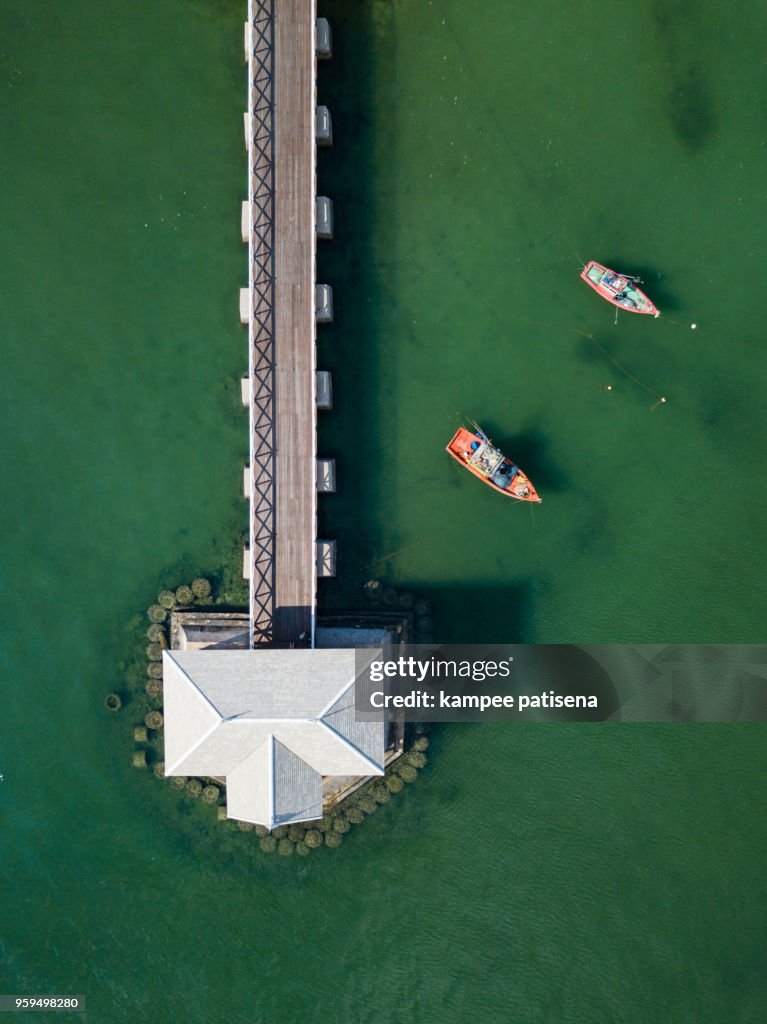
482,152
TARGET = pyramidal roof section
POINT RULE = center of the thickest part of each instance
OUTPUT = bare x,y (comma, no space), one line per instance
297,788
249,787
274,787
367,737
189,716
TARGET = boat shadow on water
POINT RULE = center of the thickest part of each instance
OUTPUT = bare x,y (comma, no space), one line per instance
653,282
531,450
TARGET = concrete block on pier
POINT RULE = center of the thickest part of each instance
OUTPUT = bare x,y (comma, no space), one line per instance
326,558
323,127
245,389
326,476
323,217
245,220
246,563
245,305
247,40
323,39
323,304
246,482
324,389
247,123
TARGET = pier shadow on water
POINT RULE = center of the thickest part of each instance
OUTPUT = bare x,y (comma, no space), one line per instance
351,348
477,614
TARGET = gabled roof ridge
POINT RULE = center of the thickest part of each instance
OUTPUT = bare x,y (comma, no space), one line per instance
346,686
270,787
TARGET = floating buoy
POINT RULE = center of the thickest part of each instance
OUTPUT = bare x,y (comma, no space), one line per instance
693,327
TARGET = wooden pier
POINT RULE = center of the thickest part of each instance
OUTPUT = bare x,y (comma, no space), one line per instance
279,227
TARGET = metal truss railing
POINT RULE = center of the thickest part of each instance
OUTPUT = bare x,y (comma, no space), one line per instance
260,146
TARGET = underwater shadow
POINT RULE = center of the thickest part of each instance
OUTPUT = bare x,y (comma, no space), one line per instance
653,282
690,108
531,451
480,614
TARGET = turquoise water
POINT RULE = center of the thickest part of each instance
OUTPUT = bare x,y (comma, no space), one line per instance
508,150
533,874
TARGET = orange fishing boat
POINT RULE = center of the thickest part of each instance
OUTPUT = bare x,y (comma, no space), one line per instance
619,289
477,453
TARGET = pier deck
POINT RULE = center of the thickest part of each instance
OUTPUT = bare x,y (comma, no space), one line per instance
281,331
294,103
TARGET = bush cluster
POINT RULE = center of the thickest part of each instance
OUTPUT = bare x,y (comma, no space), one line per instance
335,823
156,613
201,588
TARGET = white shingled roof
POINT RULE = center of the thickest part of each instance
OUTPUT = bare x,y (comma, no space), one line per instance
272,721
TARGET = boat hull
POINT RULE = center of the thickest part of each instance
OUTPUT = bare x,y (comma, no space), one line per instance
618,289
475,452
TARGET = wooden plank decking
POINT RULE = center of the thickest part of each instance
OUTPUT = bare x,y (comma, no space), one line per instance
294,325
281,245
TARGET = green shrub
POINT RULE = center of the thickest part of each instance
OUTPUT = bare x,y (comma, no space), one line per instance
154,687
313,838
262,830
154,720
302,849
154,652
325,823
166,599
368,805
184,595
425,624
201,588
380,793
422,607
159,770
405,601
280,832
422,743
210,794
394,784
154,670
296,833
373,589
245,826
268,844
140,734
139,759
221,813
355,815
193,788
415,757
407,772
333,839
389,597
113,702
178,781
154,632
341,824
285,847
156,613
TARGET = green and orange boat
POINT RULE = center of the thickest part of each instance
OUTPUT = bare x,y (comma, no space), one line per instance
477,453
